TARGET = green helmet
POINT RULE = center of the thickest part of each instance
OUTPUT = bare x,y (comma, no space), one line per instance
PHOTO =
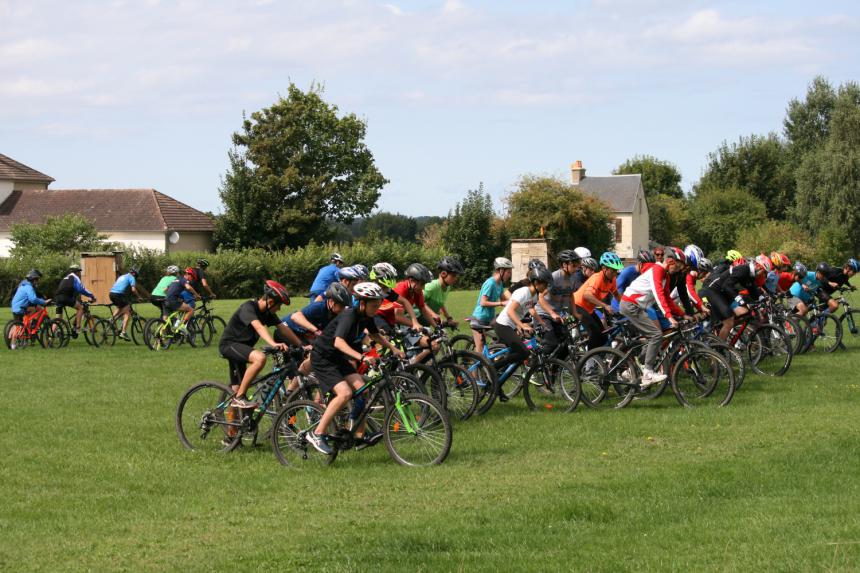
611,260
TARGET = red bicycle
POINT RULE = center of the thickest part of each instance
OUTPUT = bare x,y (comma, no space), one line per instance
35,327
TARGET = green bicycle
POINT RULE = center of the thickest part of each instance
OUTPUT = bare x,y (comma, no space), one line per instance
160,334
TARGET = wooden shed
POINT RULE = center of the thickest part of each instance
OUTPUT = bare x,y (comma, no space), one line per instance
99,272
524,250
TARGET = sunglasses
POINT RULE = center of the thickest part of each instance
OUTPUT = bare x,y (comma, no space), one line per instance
658,253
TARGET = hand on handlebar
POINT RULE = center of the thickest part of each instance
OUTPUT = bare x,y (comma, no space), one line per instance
398,353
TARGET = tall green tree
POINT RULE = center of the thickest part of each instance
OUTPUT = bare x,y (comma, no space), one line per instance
718,217
757,164
658,177
468,235
669,220
807,123
294,165
387,225
568,216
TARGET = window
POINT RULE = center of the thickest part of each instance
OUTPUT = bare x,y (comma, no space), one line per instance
617,230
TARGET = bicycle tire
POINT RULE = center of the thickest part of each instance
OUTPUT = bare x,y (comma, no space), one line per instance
155,336
551,385
100,333
769,350
289,428
421,434
702,377
794,330
806,327
736,360
136,325
461,390
205,421
485,376
203,330
218,324
607,378
52,334
462,342
829,332
430,379
850,321
7,334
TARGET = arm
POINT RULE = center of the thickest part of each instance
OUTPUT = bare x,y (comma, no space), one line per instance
588,295
283,329
343,346
190,289
547,305
300,319
511,311
205,284
386,343
407,306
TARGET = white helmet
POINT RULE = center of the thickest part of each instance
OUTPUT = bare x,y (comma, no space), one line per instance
582,252
368,291
502,263
173,270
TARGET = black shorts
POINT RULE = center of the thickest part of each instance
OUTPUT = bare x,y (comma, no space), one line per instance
157,302
720,308
64,300
238,355
330,373
173,304
120,300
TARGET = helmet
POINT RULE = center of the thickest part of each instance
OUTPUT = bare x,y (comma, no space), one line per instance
582,252
568,256
611,260
502,263
418,272
385,274
677,254
133,270
34,274
361,270
589,263
693,254
764,262
822,267
705,265
855,266
276,291
173,270
646,257
192,272
739,262
541,275
336,258
779,259
536,264
349,273
75,268
733,255
368,291
800,268
451,265
338,293
202,263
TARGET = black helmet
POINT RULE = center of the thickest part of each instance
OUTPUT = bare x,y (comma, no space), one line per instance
338,293
133,270
336,258
541,275
646,257
822,268
536,264
568,256
450,265
202,263
34,274
419,272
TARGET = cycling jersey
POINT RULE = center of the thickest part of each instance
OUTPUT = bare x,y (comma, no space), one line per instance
625,277
325,276
239,329
349,326
436,294
734,280
414,296
526,300
690,287
678,288
597,286
785,281
123,284
651,287
317,313
833,275
25,296
197,284
558,293
805,294
161,288
493,290
176,288
70,286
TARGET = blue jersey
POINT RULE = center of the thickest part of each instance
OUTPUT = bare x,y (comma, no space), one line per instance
326,275
809,281
176,288
25,296
625,277
493,290
123,284
316,313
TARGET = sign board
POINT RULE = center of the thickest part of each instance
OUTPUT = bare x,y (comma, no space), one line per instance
524,250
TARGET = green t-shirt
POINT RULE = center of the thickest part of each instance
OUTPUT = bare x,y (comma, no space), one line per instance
435,294
161,288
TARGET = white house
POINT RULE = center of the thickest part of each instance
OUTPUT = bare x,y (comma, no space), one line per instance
141,217
626,197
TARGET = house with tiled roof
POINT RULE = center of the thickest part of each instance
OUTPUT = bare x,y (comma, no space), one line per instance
626,198
133,217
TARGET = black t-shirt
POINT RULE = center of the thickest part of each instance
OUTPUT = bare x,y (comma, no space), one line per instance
197,285
349,325
833,275
239,328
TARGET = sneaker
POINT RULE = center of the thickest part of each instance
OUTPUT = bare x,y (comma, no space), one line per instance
228,441
368,440
124,336
319,443
501,397
74,333
244,404
649,378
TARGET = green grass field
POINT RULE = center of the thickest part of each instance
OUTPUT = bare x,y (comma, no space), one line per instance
94,478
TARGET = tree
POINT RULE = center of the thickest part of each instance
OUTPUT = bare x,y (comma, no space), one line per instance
64,235
807,123
294,165
718,216
467,234
567,216
779,236
658,177
390,226
669,220
756,164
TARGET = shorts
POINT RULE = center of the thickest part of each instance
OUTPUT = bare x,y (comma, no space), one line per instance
720,307
157,302
173,304
188,299
657,315
330,373
238,355
120,300
794,301
64,300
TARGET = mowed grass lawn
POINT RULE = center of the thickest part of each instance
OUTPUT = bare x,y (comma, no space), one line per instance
94,478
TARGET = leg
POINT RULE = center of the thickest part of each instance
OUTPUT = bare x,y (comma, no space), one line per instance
256,362
343,394
79,315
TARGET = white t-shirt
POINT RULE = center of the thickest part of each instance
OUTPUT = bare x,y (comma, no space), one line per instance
526,300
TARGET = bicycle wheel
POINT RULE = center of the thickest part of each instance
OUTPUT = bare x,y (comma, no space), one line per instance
16,326
263,431
136,326
827,330
551,385
850,322
204,331
289,429
735,359
431,380
417,431
485,376
769,350
806,332
156,335
701,376
461,390
794,330
462,342
99,332
607,378
218,325
205,421
52,334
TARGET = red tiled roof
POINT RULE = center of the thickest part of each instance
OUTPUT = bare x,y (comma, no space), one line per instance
108,209
11,169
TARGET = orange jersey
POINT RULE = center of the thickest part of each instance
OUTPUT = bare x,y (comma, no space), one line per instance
598,287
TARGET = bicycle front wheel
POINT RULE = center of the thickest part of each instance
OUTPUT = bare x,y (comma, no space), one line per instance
52,334
156,335
828,332
461,390
136,326
769,350
850,322
205,421
607,378
551,385
289,431
99,332
417,431
702,376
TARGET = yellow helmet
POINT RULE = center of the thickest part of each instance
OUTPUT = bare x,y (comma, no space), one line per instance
733,255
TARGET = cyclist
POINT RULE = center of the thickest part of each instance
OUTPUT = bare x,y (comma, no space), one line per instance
175,297
559,298
832,278
200,283
629,274
327,275
68,294
652,287
348,277
588,266
394,304
436,291
26,300
492,295
334,357
729,291
701,270
159,293
805,286
659,253
592,294
248,324
363,273
119,295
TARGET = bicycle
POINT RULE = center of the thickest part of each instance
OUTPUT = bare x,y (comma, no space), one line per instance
34,327
849,318
160,334
206,421
767,347
824,327
205,324
415,427
136,325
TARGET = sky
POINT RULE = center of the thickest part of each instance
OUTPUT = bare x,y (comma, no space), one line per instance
146,93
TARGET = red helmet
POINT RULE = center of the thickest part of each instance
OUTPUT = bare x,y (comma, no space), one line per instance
764,262
276,291
738,262
191,271
677,254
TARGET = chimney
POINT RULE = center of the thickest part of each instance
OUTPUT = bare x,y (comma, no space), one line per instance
577,172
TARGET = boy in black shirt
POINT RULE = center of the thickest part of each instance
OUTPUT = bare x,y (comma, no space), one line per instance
335,355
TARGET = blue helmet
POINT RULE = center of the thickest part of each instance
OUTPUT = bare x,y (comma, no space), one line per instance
855,266
694,254
349,273
611,261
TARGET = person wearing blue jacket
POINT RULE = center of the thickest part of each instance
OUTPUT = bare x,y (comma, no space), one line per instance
327,275
69,292
24,301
